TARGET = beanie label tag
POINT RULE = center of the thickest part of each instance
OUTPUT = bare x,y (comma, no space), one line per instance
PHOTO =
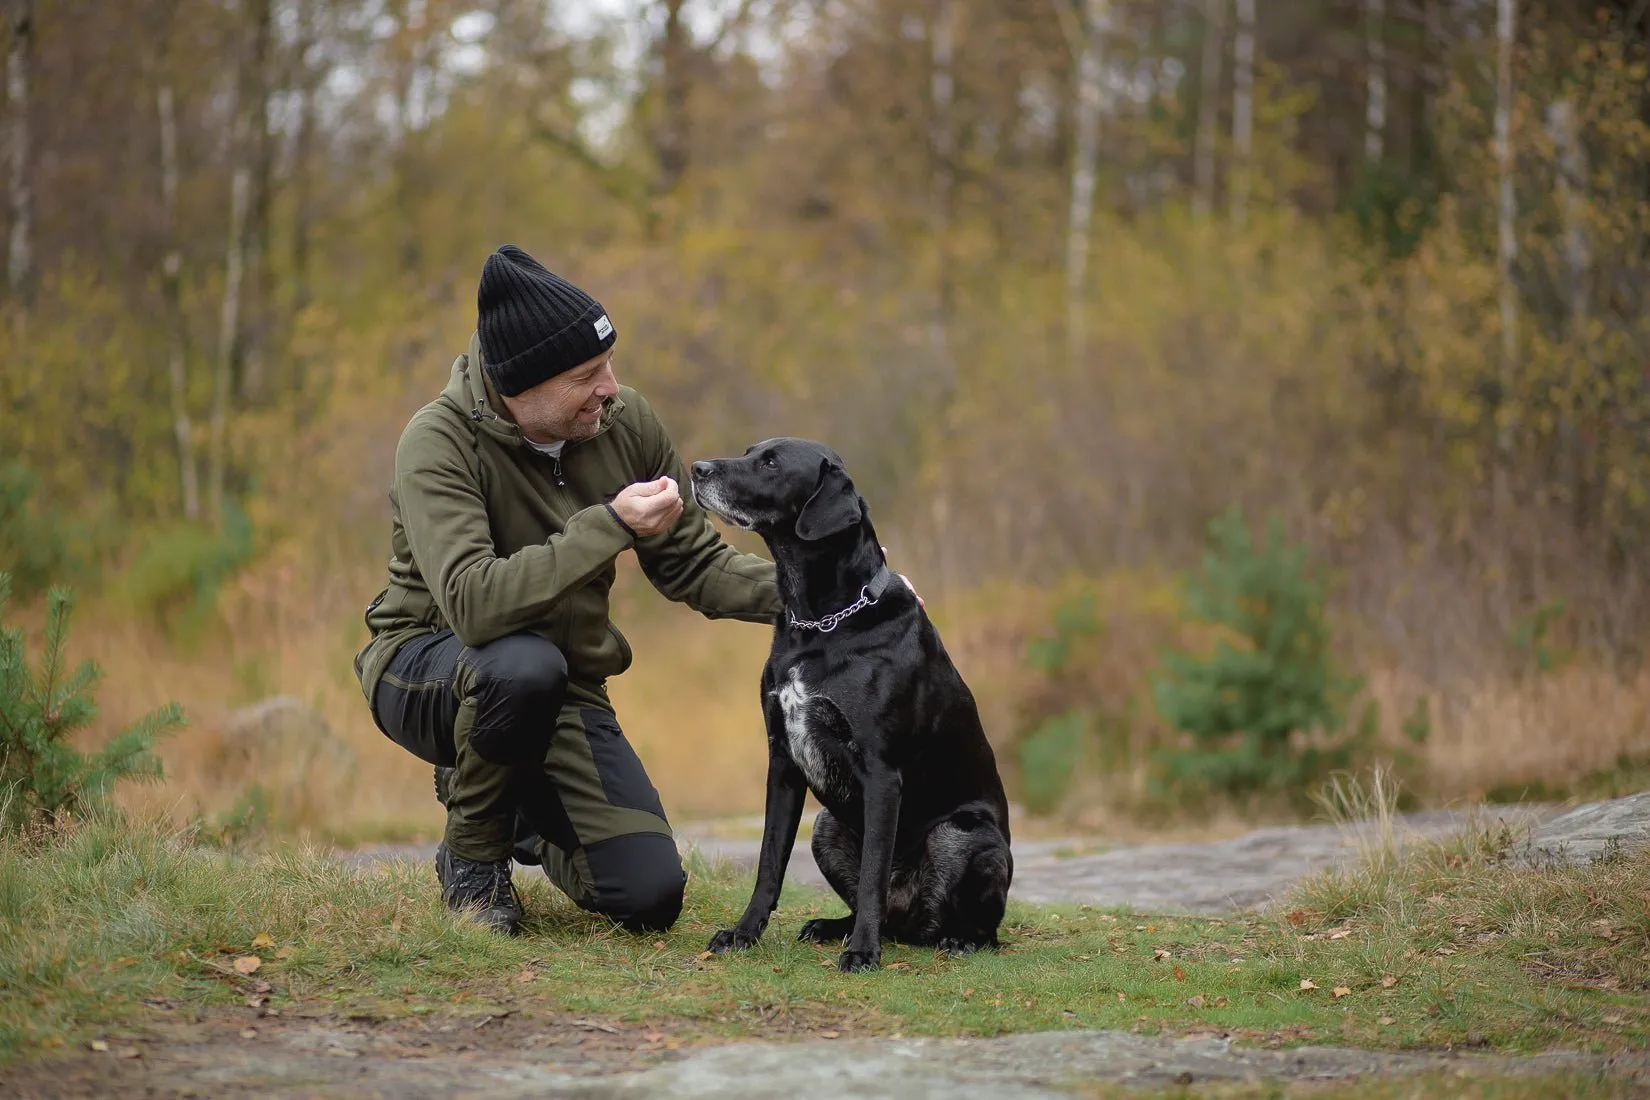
604,327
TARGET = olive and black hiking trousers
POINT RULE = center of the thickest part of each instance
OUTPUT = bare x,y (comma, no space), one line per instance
543,772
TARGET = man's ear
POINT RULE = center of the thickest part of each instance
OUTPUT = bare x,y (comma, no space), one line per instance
834,506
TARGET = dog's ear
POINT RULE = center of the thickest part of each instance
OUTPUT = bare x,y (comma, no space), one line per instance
834,506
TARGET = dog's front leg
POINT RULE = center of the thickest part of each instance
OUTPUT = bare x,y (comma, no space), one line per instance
786,791
882,797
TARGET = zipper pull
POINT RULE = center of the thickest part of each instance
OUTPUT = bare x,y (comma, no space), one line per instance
555,466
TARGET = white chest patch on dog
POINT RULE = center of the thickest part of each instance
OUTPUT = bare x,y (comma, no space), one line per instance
804,742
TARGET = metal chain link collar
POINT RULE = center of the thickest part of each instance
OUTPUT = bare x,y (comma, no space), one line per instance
835,618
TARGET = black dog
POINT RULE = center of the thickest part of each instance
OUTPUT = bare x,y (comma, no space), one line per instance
863,707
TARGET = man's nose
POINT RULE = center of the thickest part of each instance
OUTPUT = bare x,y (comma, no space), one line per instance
701,469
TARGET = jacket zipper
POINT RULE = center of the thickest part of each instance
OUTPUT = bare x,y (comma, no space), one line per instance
555,468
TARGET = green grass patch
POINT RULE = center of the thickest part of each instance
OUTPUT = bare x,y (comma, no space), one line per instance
1448,946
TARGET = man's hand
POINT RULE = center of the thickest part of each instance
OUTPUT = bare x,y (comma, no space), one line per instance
907,581
649,507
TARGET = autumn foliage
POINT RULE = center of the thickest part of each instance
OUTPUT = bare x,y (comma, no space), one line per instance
1062,281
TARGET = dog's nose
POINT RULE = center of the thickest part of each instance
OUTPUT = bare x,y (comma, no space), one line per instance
701,469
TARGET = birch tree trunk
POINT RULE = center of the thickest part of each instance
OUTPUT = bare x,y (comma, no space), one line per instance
261,152
1208,110
20,250
1375,81
670,138
942,144
172,289
1507,241
1571,182
1096,23
303,141
1243,108
229,314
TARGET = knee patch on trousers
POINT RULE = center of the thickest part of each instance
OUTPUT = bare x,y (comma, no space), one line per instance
638,881
517,686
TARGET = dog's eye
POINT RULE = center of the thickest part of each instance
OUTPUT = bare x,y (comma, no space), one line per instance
767,463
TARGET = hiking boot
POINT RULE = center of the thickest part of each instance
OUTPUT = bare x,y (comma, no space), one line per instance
444,783
482,891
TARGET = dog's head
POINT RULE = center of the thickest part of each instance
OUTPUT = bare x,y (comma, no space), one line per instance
781,486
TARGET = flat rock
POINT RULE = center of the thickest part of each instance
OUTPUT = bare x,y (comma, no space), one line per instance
1590,831
1215,877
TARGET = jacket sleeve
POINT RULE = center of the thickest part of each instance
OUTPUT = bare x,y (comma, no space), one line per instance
481,595
690,563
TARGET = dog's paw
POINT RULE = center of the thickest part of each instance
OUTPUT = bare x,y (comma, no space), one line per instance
955,946
855,962
732,939
826,930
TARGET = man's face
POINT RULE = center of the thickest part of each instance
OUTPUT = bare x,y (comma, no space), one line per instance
568,406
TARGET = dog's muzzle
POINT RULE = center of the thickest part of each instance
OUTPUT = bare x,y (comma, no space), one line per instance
709,497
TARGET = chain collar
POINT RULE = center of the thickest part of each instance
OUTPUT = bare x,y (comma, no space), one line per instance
868,596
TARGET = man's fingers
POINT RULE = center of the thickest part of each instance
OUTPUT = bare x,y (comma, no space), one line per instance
651,488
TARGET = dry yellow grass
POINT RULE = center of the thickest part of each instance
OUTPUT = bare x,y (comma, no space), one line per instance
690,706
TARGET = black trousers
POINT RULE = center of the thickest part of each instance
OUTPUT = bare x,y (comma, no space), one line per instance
538,776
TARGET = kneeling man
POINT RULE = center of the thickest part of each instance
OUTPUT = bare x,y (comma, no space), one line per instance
491,646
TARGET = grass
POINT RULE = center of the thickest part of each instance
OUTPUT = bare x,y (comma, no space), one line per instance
1448,946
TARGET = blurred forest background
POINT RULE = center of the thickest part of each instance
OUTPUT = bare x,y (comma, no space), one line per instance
1251,387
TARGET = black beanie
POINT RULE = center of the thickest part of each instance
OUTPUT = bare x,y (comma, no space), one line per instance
534,324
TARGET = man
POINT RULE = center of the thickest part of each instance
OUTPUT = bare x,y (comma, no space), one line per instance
514,492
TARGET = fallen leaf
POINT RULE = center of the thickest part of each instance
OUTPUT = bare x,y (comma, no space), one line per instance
1446,951
1308,983
526,976
1340,991
778,970
967,993
256,1001
263,939
1179,975
248,964
658,945
1339,933
1195,1002
1388,981
1139,928
259,986
1296,917
1221,1002
703,955
826,963
249,1033
283,952
891,966
828,1034
1613,1018
131,1052
99,1045
1159,955
1122,996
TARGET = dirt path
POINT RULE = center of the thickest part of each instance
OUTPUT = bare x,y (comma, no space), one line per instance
514,1057
520,1054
